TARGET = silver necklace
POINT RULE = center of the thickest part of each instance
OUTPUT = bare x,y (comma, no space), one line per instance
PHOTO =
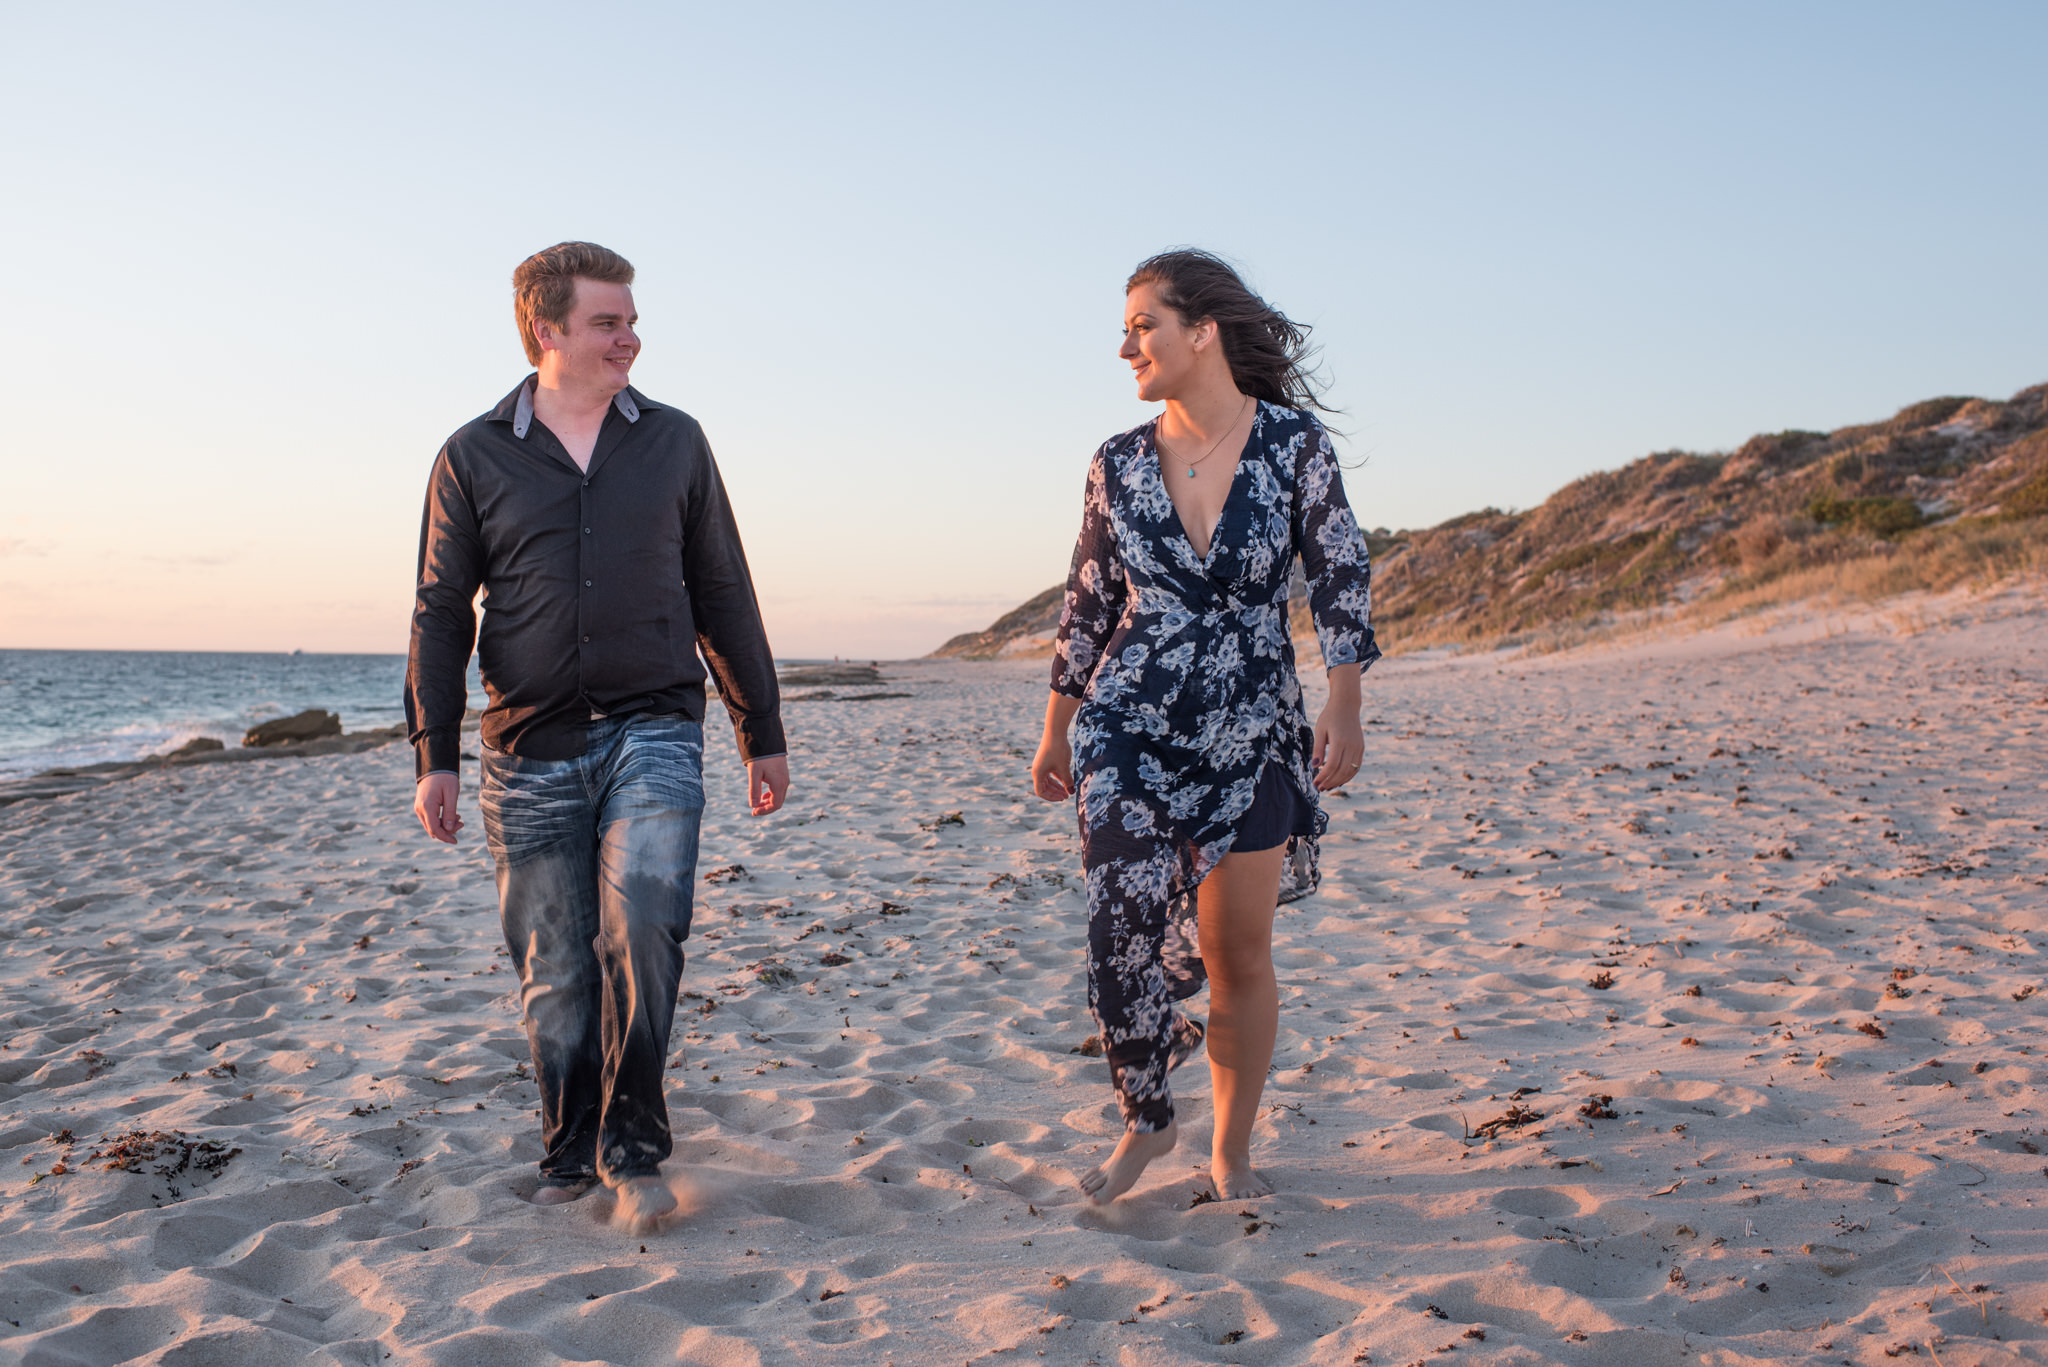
1191,464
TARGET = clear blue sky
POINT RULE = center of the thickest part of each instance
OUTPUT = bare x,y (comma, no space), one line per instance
260,259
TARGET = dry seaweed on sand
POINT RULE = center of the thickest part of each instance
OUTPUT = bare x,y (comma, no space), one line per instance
1516,1117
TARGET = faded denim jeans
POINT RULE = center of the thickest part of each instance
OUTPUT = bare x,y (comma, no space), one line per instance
597,857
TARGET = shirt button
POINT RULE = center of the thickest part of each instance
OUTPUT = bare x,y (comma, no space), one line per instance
586,583
586,639
586,531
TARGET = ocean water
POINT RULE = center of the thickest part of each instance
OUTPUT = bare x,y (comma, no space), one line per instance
68,707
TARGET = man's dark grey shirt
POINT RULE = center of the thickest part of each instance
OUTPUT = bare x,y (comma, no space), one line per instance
599,587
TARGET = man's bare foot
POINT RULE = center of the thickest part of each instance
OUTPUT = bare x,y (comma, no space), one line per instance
1127,1164
1236,1179
643,1201
550,1194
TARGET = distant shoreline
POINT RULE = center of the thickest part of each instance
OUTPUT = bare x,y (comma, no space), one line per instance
803,680
63,781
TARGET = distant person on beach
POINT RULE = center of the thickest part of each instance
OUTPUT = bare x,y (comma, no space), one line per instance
594,521
1194,764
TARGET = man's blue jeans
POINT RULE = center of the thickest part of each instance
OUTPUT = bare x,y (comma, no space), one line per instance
596,859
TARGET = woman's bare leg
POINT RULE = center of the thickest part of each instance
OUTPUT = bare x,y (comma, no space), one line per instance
1236,904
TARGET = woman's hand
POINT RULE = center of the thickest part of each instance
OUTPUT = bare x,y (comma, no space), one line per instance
1340,740
1052,768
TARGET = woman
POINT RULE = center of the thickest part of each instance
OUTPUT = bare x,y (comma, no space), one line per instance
1193,762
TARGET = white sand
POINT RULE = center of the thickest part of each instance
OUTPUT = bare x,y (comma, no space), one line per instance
270,957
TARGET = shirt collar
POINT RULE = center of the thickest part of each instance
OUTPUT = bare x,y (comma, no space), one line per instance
517,407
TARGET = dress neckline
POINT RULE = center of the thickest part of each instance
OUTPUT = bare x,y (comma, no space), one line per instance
1230,495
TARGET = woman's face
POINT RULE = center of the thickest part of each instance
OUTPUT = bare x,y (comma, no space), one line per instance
1163,352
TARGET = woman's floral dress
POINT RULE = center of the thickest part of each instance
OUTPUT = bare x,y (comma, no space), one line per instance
1186,671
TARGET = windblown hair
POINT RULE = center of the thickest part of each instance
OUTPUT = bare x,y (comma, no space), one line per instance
544,285
1269,353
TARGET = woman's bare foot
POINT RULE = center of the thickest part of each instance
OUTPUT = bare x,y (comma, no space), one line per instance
1127,1164
550,1194
1235,1178
643,1201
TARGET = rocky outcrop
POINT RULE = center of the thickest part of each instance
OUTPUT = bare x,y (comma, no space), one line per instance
62,782
198,745
830,676
1026,629
821,683
1679,527
312,724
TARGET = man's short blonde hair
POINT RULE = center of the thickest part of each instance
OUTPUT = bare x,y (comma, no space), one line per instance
544,285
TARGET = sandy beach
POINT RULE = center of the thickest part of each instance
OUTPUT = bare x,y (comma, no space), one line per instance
1669,1003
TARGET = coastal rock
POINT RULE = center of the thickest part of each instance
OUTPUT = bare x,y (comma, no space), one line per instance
78,778
819,683
312,724
830,676
198,745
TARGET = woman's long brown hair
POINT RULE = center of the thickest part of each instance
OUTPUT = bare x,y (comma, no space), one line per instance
1269,353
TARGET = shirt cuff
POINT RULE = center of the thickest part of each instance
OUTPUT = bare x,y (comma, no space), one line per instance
761,737
438,752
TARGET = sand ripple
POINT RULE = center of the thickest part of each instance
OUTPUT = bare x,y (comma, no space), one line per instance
1669,1004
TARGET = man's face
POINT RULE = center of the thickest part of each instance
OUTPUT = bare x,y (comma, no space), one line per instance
597,349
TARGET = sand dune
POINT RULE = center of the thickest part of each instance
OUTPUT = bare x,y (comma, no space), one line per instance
1669,1004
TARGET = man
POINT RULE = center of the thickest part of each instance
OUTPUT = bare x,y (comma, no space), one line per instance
594,521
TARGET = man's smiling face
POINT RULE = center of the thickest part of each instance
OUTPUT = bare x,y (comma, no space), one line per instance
599,345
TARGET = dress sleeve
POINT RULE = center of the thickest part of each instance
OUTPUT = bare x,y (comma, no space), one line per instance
1334,555
1096,590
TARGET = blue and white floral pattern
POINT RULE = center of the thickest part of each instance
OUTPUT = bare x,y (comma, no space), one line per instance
1186,671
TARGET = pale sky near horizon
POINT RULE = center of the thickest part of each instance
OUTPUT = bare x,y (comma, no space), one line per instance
260,263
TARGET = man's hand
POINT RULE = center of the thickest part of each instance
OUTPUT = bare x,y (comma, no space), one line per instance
767,784
433,802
